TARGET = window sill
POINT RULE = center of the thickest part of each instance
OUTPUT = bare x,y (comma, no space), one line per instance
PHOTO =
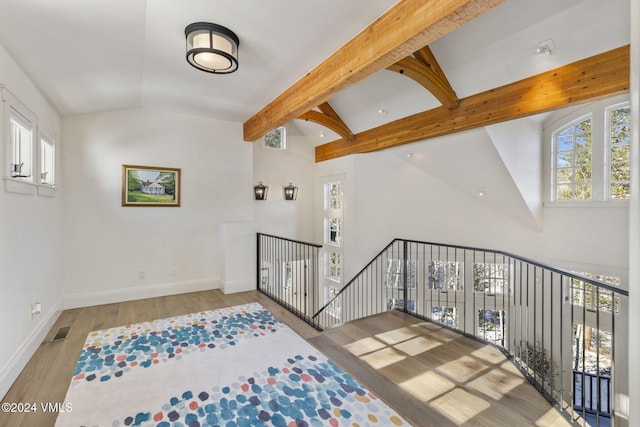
590,204
45,190
20,186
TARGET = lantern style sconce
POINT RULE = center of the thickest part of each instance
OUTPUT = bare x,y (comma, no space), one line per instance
261,191
290,192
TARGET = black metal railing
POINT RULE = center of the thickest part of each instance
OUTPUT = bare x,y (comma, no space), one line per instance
549,321
592,393
288,272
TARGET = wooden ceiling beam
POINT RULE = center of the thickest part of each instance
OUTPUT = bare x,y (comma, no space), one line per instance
329,111
403,29
332,122
599,76
425,70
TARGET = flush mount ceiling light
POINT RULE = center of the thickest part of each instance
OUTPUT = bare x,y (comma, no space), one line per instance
212,48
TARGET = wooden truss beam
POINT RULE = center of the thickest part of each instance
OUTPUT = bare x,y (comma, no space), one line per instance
597,77
329,118
424,69
403,29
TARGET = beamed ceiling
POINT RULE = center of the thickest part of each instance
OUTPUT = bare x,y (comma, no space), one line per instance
433,66
399,41
593,78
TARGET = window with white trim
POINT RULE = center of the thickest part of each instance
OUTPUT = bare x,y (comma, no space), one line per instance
446,315
332,231
444,276
47,160
573,161
490,278
618,141
29,149
334,266
333,252
22,130
491,326
591,154
335,306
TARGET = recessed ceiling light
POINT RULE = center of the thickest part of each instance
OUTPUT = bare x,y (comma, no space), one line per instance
383,109
546,46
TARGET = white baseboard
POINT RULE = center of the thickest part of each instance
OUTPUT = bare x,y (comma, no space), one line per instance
88,299
233,286
16,363
9,373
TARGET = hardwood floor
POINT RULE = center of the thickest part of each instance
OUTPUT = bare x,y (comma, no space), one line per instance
430,375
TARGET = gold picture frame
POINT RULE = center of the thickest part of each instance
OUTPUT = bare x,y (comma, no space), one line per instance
150,186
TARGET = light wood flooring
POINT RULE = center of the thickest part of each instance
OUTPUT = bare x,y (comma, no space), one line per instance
430,375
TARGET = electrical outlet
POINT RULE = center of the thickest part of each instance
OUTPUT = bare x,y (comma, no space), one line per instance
36,308
172,270
141,275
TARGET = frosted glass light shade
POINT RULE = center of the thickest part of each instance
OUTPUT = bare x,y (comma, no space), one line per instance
212,48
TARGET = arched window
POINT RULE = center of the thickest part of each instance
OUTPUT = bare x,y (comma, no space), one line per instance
573,161
591,155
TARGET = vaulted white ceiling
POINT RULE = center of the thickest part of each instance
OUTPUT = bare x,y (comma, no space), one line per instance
93,55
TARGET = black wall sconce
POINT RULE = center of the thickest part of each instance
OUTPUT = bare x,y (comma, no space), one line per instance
290,192
261,191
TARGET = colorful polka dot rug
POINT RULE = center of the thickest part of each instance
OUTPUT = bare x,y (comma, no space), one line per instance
231,367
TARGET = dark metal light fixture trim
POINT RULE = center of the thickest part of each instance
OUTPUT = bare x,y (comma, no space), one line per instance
212,48
260,191
290,192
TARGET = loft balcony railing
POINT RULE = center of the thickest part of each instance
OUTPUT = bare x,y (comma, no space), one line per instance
288,273
566,332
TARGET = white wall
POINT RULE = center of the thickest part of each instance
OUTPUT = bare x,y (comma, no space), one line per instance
276,169
107,245
389,197
30,242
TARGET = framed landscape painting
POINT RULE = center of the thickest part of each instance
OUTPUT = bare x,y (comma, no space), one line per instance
150,186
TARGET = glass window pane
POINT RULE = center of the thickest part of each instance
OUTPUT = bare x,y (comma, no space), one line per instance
620,153
445,315
621,134
565,158
491,326
620,116
334,265
47,162
489,278
564,192
583,141
21,145
444,276
333,196
583,174
620,191
583,192
583,157
564,175
565,142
